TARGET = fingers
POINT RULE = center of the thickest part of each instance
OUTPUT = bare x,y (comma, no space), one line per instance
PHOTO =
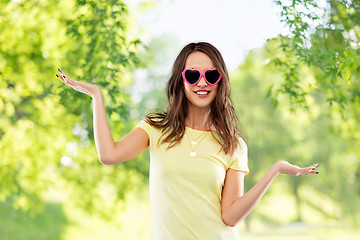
61,78
63,75
311,169
65,79
311,172
315,165
60,71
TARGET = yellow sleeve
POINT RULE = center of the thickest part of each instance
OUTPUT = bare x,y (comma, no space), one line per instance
144,125
240,158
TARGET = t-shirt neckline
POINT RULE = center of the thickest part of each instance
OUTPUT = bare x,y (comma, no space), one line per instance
198,130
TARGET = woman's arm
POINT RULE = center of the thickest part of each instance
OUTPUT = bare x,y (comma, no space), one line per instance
109,152
235,206
104,141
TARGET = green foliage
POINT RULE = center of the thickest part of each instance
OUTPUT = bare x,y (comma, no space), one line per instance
325,38
46,130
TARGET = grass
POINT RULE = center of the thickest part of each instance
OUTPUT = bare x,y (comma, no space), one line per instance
47,225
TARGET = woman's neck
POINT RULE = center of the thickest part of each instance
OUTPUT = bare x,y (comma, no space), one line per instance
198,118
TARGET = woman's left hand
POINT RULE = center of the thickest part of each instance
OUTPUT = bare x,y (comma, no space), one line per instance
284,167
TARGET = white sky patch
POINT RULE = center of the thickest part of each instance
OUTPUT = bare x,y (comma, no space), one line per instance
232,26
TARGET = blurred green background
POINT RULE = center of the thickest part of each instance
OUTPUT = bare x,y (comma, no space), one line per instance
297,98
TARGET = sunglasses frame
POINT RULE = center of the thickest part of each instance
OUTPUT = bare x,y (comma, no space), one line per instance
202,74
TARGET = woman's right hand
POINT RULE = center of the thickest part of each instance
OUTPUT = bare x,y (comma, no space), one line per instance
84,87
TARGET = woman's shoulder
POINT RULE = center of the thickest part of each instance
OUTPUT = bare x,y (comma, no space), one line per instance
242,140
155,119
152,123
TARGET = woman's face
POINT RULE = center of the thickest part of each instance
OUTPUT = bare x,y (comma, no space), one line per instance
202,62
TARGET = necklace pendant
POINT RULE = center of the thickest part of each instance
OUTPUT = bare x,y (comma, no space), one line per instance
192,154
193,142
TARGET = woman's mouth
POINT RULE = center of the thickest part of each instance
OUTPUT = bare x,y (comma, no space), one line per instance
202,93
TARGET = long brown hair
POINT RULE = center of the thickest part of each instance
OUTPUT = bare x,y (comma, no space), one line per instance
222,113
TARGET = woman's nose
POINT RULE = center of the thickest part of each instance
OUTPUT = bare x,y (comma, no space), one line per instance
202,82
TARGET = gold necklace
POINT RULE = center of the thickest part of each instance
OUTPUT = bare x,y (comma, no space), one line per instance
193,142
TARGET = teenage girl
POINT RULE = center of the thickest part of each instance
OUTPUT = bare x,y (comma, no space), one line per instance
198,156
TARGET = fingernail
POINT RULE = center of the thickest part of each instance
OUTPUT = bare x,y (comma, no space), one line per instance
317,172
314,168
318,165
57,75
59,70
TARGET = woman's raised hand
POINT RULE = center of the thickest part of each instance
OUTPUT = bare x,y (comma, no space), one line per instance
84,87
287,168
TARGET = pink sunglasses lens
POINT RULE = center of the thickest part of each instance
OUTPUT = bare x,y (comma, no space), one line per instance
192,76
212,76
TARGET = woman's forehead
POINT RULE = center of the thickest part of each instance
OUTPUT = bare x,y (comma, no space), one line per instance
198,60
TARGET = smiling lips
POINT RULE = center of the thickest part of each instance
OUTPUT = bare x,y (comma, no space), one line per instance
202,93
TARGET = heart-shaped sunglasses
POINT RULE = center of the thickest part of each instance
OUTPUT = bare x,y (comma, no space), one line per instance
193,75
